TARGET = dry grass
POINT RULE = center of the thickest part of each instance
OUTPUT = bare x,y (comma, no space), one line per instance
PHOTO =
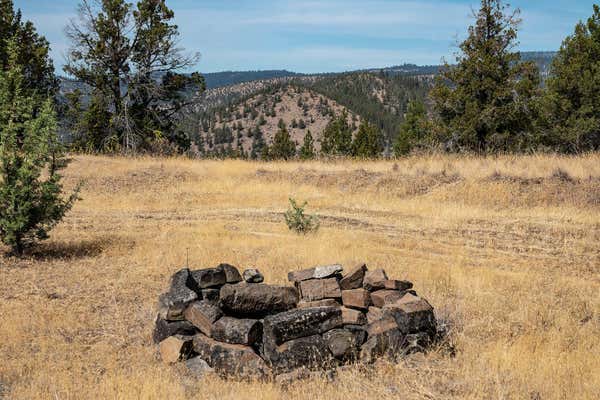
507,250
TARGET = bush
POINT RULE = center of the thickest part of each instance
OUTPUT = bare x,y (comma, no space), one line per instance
298,221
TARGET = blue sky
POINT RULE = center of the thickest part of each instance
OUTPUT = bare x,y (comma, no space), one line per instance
325,35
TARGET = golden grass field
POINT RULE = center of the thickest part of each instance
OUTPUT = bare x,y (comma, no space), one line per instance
507,249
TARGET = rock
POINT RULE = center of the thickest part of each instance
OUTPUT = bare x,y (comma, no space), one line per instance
397,285
318,303
253,276
232,275
374,280
353,317
356,298
202,314
374,314
417,342
171,305
354,278
319,289
163,329
231,360
198,367
303,373
297,323
412,315
321,272
311,352
344,344
384,339
210,277
257,300
237,331
383,297
210,295
175,348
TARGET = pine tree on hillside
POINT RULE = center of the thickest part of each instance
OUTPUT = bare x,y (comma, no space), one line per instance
258,145
283,147
485,102
337,137
571,121
413,130
307,151
368,142
31,155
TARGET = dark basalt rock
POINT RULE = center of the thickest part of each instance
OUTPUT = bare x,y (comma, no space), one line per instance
310,352
344,344
257,300
297,323
208,278
231,360
237,331
354,278
412,315
232,275
253,276
163,329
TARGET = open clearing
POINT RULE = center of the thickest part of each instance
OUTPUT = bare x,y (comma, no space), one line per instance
507,249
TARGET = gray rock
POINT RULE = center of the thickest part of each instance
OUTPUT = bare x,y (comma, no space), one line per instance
231,360
237,331
198,367
319,289
311,352
297,323
202,314
170,310
210,295
232,275
321,272
163,329
171,305
345,344
208,278
253,276
412,315
374,280
257,300
354,278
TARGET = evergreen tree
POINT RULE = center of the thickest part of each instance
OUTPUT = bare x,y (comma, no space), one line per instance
413,130
571,121
258,145
129,55
307,151
32,51
485,102
31,155
283,147
337,137
368,142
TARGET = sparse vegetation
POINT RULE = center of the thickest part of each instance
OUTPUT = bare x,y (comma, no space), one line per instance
298,221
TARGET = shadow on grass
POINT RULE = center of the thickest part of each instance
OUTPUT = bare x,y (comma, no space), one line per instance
56,250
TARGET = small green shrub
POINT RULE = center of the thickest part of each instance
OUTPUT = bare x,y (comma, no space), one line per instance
298,221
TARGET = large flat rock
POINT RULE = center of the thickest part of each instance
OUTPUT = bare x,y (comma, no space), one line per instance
319,289
256,299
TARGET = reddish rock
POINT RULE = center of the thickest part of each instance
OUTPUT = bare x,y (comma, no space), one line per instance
319,303
356,298
383,297
319,289
202,314
397,285
354,278
353,317
175,348
374,280
374,314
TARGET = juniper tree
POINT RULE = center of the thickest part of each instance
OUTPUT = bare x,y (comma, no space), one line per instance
129,56
485,101
571,121
31,201
413,130
283,147
337,137
368,142
307,151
